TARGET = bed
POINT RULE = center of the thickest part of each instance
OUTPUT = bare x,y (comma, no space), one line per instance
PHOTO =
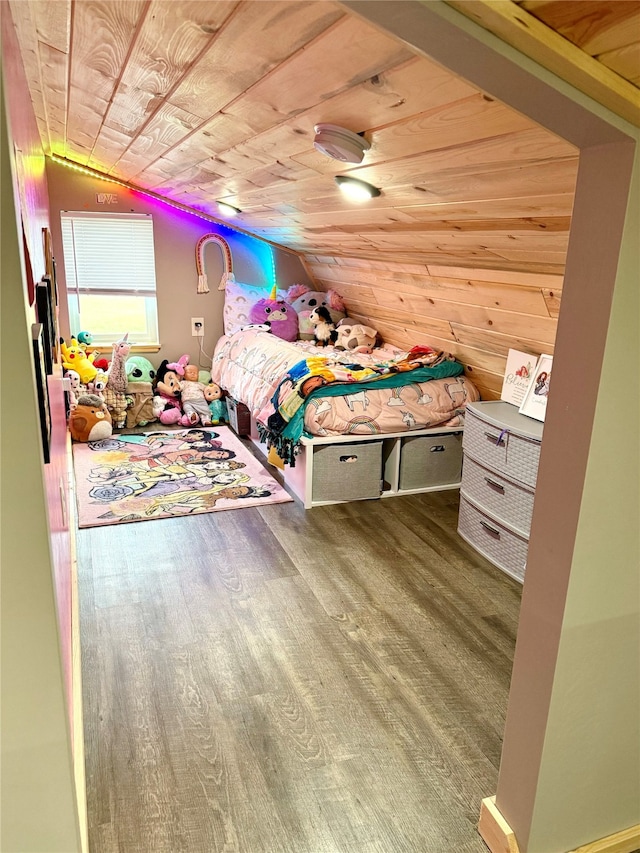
388,393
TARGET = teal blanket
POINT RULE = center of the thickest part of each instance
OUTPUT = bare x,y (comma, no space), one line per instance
285,426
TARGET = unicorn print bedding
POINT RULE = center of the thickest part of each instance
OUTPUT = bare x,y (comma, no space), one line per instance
387,391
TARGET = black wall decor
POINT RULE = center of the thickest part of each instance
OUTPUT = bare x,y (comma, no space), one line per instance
41,387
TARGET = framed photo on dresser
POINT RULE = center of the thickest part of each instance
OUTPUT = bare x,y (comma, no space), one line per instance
535,401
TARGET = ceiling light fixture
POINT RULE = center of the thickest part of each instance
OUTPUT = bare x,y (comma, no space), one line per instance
340,143
227,209
355,189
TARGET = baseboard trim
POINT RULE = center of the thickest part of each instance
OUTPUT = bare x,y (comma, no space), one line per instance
495,831
626,841
500,838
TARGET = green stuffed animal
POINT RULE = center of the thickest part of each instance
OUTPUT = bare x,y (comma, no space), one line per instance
139,369
140,374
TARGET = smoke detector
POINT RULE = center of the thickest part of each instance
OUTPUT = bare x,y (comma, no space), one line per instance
340,143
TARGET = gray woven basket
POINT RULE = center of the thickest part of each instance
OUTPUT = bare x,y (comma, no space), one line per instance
347,472
430,460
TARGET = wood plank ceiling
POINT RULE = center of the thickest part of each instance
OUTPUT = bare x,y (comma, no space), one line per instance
204,101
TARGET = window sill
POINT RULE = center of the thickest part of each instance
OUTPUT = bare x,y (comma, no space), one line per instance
106,349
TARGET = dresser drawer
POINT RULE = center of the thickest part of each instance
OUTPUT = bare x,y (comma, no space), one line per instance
504,548
501,449
508,501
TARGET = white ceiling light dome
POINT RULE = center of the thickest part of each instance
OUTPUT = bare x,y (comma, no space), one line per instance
340,143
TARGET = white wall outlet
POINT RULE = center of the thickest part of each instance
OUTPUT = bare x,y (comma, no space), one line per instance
197,327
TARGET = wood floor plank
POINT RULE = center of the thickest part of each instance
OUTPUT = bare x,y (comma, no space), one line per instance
273,679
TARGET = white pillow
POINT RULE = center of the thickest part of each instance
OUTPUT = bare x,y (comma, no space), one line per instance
238,300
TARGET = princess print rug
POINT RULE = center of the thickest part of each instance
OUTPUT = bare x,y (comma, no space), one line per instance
162,474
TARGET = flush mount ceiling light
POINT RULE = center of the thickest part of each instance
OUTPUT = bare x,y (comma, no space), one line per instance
227,209
355,189
340,143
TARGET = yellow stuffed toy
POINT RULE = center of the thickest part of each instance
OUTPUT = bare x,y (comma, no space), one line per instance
75,358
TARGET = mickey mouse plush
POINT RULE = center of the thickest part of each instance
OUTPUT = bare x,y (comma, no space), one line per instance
166,400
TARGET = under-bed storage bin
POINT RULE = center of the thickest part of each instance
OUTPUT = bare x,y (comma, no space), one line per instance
430,460
239,417
347,472
505,548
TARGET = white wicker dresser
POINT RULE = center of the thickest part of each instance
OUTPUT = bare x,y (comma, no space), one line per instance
501,449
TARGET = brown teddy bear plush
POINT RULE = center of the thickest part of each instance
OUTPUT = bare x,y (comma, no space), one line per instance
90,420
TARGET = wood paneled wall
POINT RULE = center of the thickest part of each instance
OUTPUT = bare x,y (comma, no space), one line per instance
476,314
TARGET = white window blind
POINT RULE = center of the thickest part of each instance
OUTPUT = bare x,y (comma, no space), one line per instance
109,264
109,252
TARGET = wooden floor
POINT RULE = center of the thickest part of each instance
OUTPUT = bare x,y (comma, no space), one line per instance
266,680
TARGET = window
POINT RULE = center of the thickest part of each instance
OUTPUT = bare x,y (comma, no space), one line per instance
109,265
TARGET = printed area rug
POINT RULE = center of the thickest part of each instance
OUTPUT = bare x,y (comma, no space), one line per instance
161,474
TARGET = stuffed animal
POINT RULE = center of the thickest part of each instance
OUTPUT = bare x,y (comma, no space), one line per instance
324,330
194,403
90,420
75,358
140,410
102,363
117,374
166,400
214,394
76,388
139,369
277,314
98,385
115,393
179,365
303,300
140,376
355,337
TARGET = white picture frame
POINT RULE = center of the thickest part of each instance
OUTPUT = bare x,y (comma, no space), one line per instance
534,404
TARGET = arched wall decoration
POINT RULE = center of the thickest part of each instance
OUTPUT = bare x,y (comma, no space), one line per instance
227,272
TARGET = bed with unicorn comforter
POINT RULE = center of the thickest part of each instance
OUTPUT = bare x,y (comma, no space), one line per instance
297,388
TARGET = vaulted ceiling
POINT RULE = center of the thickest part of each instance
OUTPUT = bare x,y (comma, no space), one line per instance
204,101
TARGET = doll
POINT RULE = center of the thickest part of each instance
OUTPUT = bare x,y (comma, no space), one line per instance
194,403
213,394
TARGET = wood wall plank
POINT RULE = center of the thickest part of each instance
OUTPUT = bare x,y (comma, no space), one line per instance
24,19
501,208
412,289
594,25
625,61
156,65
102,37
478,315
